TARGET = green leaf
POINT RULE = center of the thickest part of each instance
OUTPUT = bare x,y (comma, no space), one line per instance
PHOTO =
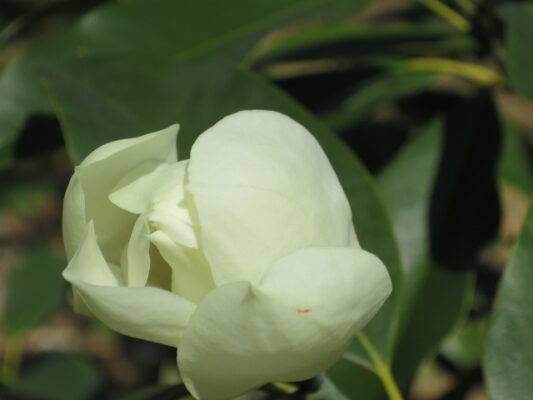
466,346
60,377
147,96
354,381
21,94
516,166
433,297
406,184
518,18
361,40
169,28
439,301
509,356
377,91
34,291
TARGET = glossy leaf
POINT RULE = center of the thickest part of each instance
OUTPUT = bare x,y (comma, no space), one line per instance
433,297
509,357
157,28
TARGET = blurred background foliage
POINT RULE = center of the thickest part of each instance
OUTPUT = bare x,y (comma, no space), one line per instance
425,109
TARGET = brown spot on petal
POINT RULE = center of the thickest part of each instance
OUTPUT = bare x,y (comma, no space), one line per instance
303,310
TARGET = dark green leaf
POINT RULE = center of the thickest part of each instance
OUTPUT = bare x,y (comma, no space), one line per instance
60,377
377,91
433,297
516,164
465,348
34,291
355,381
173,29
439,300
509,356
406,184
518,19
360,40
21,94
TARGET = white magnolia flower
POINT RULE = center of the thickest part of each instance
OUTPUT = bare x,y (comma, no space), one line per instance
244,256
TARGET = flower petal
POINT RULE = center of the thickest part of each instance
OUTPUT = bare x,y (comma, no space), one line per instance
295,324
146,185
118,146
137,257
74,222
263,187
101,171
147,313
191,276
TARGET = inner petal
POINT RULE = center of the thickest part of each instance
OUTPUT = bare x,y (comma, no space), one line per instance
149,184
156,193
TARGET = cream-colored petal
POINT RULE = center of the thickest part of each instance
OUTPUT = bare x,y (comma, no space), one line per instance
74,227
191,276
74,220
147,313
102,171
263,187
118,146
295,324
137,261
175,222
148,185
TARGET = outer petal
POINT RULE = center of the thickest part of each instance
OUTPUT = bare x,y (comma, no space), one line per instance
263,188
74,221
100,172
292,326
147,313
118,146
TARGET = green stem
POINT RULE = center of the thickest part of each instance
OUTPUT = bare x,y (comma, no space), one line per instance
473,72
285,388
381,368
447,13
